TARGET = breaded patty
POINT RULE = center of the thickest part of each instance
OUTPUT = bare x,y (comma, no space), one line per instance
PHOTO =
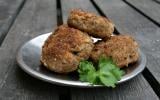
123,49
64,49
96,26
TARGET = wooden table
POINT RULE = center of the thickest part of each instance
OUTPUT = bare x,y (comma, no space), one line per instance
21,20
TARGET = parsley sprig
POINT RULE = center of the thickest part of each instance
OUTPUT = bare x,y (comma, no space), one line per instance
107,73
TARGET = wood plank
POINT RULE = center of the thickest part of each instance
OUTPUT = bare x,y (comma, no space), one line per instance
135,89
9,10
149,7
127,20
21,86
129,90
37,17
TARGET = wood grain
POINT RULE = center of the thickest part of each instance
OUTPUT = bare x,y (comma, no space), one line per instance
127,20
129,90
37,17
9,9
149,7
135,89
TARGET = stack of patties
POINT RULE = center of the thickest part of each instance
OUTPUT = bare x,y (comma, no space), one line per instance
69,44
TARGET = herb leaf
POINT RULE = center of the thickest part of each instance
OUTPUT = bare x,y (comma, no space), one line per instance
108,73
87,72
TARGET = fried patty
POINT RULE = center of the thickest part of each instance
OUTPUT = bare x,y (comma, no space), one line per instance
122,49
64,49
96,26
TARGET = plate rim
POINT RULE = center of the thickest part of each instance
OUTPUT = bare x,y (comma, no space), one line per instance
46,78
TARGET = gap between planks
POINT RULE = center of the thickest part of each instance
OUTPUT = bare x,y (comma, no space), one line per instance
104,15
59,13
156,1
11,23
64,95
142,13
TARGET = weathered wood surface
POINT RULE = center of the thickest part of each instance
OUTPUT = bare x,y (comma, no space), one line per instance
149,7
8,12
136,89
36,17
40,16
132,89
127,20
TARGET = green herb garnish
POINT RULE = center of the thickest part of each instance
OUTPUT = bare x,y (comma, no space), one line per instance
107,73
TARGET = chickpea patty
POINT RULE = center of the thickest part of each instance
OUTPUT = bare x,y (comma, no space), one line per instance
64,49
123,49
94,25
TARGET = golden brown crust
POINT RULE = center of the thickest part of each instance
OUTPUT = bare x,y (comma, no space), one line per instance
123,49
94,25
63,49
